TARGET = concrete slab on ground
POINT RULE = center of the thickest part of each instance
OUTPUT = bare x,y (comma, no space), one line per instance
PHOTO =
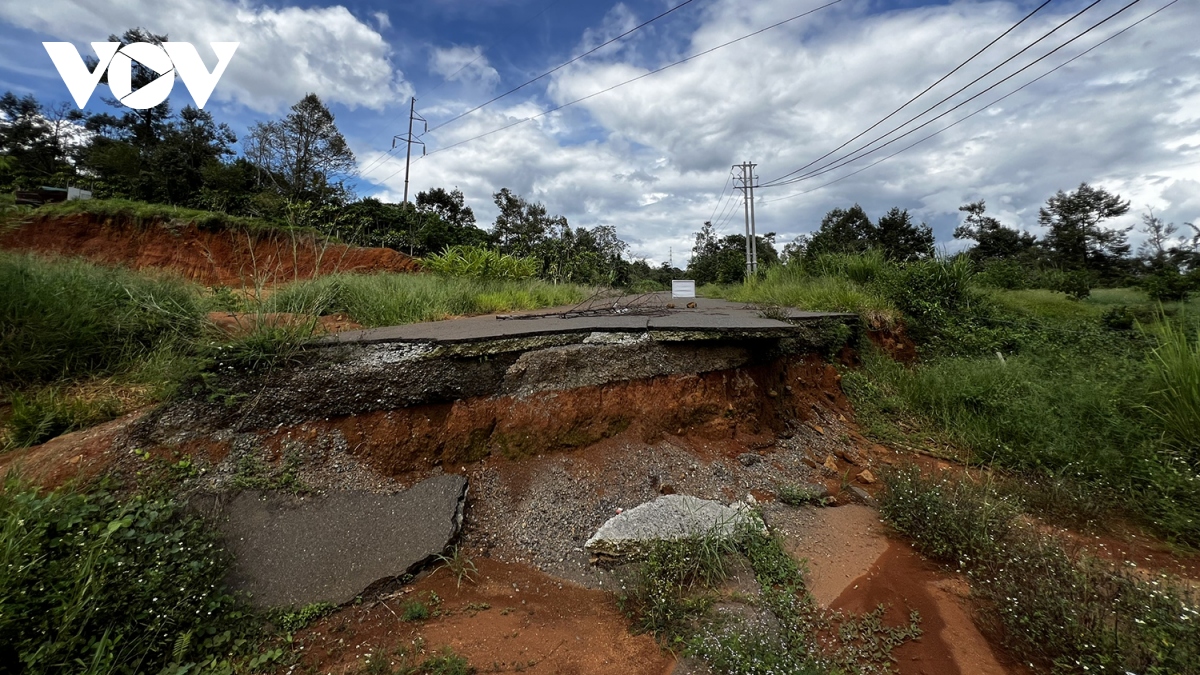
624,314
292,551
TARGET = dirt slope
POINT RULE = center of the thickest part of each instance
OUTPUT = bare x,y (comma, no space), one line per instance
235,258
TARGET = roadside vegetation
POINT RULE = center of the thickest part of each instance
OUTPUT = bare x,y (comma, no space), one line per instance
1064,613
777,629
1068,367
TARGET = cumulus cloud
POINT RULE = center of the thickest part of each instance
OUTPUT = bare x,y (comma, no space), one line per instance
1125,117
463,64
285,52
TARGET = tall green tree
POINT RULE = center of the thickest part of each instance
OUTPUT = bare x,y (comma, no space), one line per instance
901,239
303,155
843,231
36,141
993,241
521,225
1075,239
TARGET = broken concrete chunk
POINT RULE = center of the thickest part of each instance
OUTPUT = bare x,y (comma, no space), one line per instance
668,518
293,551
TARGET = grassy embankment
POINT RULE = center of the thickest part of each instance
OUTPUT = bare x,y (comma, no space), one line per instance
1089,409
83,343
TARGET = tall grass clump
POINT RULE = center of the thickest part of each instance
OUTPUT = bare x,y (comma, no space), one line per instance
1068,614
392,299
481,262
797,285
1175,381
93,584
67,318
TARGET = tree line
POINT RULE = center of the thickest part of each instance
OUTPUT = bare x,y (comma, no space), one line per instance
293,171
1078,251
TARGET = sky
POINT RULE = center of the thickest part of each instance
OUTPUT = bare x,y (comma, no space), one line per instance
651,157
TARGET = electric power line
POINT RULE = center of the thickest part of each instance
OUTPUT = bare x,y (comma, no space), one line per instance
976,112
385,157
728,178
635,79
563,65
922,93
852,157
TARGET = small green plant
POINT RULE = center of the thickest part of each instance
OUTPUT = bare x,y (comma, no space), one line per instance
799,495
414,610
252,473
290,621
460,565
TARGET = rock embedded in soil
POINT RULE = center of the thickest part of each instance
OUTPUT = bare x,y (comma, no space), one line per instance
668,518
289,550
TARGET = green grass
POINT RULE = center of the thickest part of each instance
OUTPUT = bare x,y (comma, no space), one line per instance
392,299
787,288
69,319
1175,384
1066,614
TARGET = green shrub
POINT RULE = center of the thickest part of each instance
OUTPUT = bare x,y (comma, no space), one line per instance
1005,274
1167,286
67,318
481,262
930,292
951,521
91,583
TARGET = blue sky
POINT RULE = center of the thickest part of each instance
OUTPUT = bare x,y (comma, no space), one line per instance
650,158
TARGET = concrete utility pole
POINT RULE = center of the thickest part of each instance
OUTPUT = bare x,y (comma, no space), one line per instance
747,189
409,140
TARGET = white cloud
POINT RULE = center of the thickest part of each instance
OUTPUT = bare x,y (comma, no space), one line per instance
382,20
463,64
284,53
1123,117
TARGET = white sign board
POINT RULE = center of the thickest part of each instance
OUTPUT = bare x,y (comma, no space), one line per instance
683,288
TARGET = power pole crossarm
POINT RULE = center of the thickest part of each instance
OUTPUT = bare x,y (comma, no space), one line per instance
747,188
409,140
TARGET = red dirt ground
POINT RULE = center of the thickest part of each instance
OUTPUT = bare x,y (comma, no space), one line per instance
951,644
511,619
234,258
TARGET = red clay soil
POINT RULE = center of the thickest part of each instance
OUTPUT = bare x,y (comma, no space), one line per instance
234,258
951,644
77,456
512,618
749,404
